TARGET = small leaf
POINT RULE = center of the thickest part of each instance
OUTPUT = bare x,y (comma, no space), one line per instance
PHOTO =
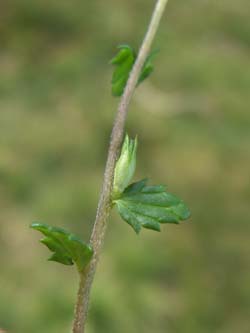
148,67
68,248
149,206
124,62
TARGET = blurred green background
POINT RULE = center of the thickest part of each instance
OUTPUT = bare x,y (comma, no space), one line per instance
193,123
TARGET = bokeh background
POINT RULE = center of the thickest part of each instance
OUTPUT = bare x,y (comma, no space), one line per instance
193,123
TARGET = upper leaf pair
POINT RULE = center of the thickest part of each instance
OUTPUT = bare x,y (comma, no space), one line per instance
124,62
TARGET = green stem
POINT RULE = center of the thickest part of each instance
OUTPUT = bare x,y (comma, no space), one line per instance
104,205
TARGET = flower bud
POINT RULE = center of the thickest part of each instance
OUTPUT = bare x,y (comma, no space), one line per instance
125,166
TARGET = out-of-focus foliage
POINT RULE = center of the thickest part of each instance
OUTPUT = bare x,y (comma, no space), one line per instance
192,117
124,61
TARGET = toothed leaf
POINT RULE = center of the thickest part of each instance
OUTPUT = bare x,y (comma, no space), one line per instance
67,248
149,206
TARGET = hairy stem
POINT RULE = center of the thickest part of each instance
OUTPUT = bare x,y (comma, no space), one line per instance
104,205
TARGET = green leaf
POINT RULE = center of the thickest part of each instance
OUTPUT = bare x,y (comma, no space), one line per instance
124,61
148,67
68,248
149,206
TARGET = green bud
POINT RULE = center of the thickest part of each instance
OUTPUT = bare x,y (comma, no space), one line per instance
125,166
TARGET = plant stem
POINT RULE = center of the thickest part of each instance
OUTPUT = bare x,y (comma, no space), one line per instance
104,205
